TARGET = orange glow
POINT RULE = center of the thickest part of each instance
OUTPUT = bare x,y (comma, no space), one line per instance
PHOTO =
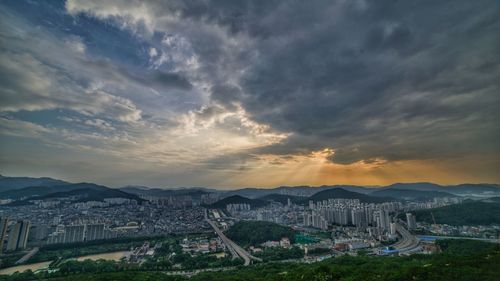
315,169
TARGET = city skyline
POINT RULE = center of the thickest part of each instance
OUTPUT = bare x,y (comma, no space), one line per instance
250,94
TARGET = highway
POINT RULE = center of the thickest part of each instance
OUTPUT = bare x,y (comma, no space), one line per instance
408,242
224,239
233,247
27,256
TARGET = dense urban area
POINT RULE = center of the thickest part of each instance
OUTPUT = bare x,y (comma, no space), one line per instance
54,229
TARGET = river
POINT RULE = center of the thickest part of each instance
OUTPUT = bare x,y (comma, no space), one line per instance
24,267
114,256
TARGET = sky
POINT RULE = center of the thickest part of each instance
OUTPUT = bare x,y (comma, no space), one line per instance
234,94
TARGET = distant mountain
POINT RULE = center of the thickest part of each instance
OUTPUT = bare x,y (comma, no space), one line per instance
467,213
250,192
22,187
410,194
160,192
31,191
283,199
304,190
492,200
40,191
461,189
81,191
236,199
420,186
353,188
319,196
89,192
342,193
11,183
470,188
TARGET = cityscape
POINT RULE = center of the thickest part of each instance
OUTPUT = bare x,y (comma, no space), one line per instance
219,140
179,228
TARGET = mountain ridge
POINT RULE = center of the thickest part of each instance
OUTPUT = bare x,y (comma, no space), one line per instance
407,194
346,194
82,192
237,199
19,187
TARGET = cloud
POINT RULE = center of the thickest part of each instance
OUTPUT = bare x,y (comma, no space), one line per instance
138,16
29,84
152,52
35,78
246,84
377,83
368,80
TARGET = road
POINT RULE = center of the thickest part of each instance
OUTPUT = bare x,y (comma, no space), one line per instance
233,247
224,239
408,242
27,256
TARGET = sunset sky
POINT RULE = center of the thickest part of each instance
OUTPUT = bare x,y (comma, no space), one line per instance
250,93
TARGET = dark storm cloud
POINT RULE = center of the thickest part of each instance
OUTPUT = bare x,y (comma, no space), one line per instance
395,80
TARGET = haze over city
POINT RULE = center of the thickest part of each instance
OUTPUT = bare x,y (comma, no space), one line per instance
232,94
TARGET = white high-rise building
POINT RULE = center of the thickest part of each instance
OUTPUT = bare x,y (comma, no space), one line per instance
382,219
411,221
4,221
359,218
94,232
74,233
392,228
18,236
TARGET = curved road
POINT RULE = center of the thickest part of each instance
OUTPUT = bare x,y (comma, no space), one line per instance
408,242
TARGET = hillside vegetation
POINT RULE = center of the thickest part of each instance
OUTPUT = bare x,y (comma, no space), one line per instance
467,213
11,183
85,191
236,199
283,199
411,194
256,232
342,193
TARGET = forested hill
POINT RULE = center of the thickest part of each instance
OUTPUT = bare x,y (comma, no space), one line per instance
256,232
236,199
11,183
485,212
80,191
342,193
283,199
409,194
